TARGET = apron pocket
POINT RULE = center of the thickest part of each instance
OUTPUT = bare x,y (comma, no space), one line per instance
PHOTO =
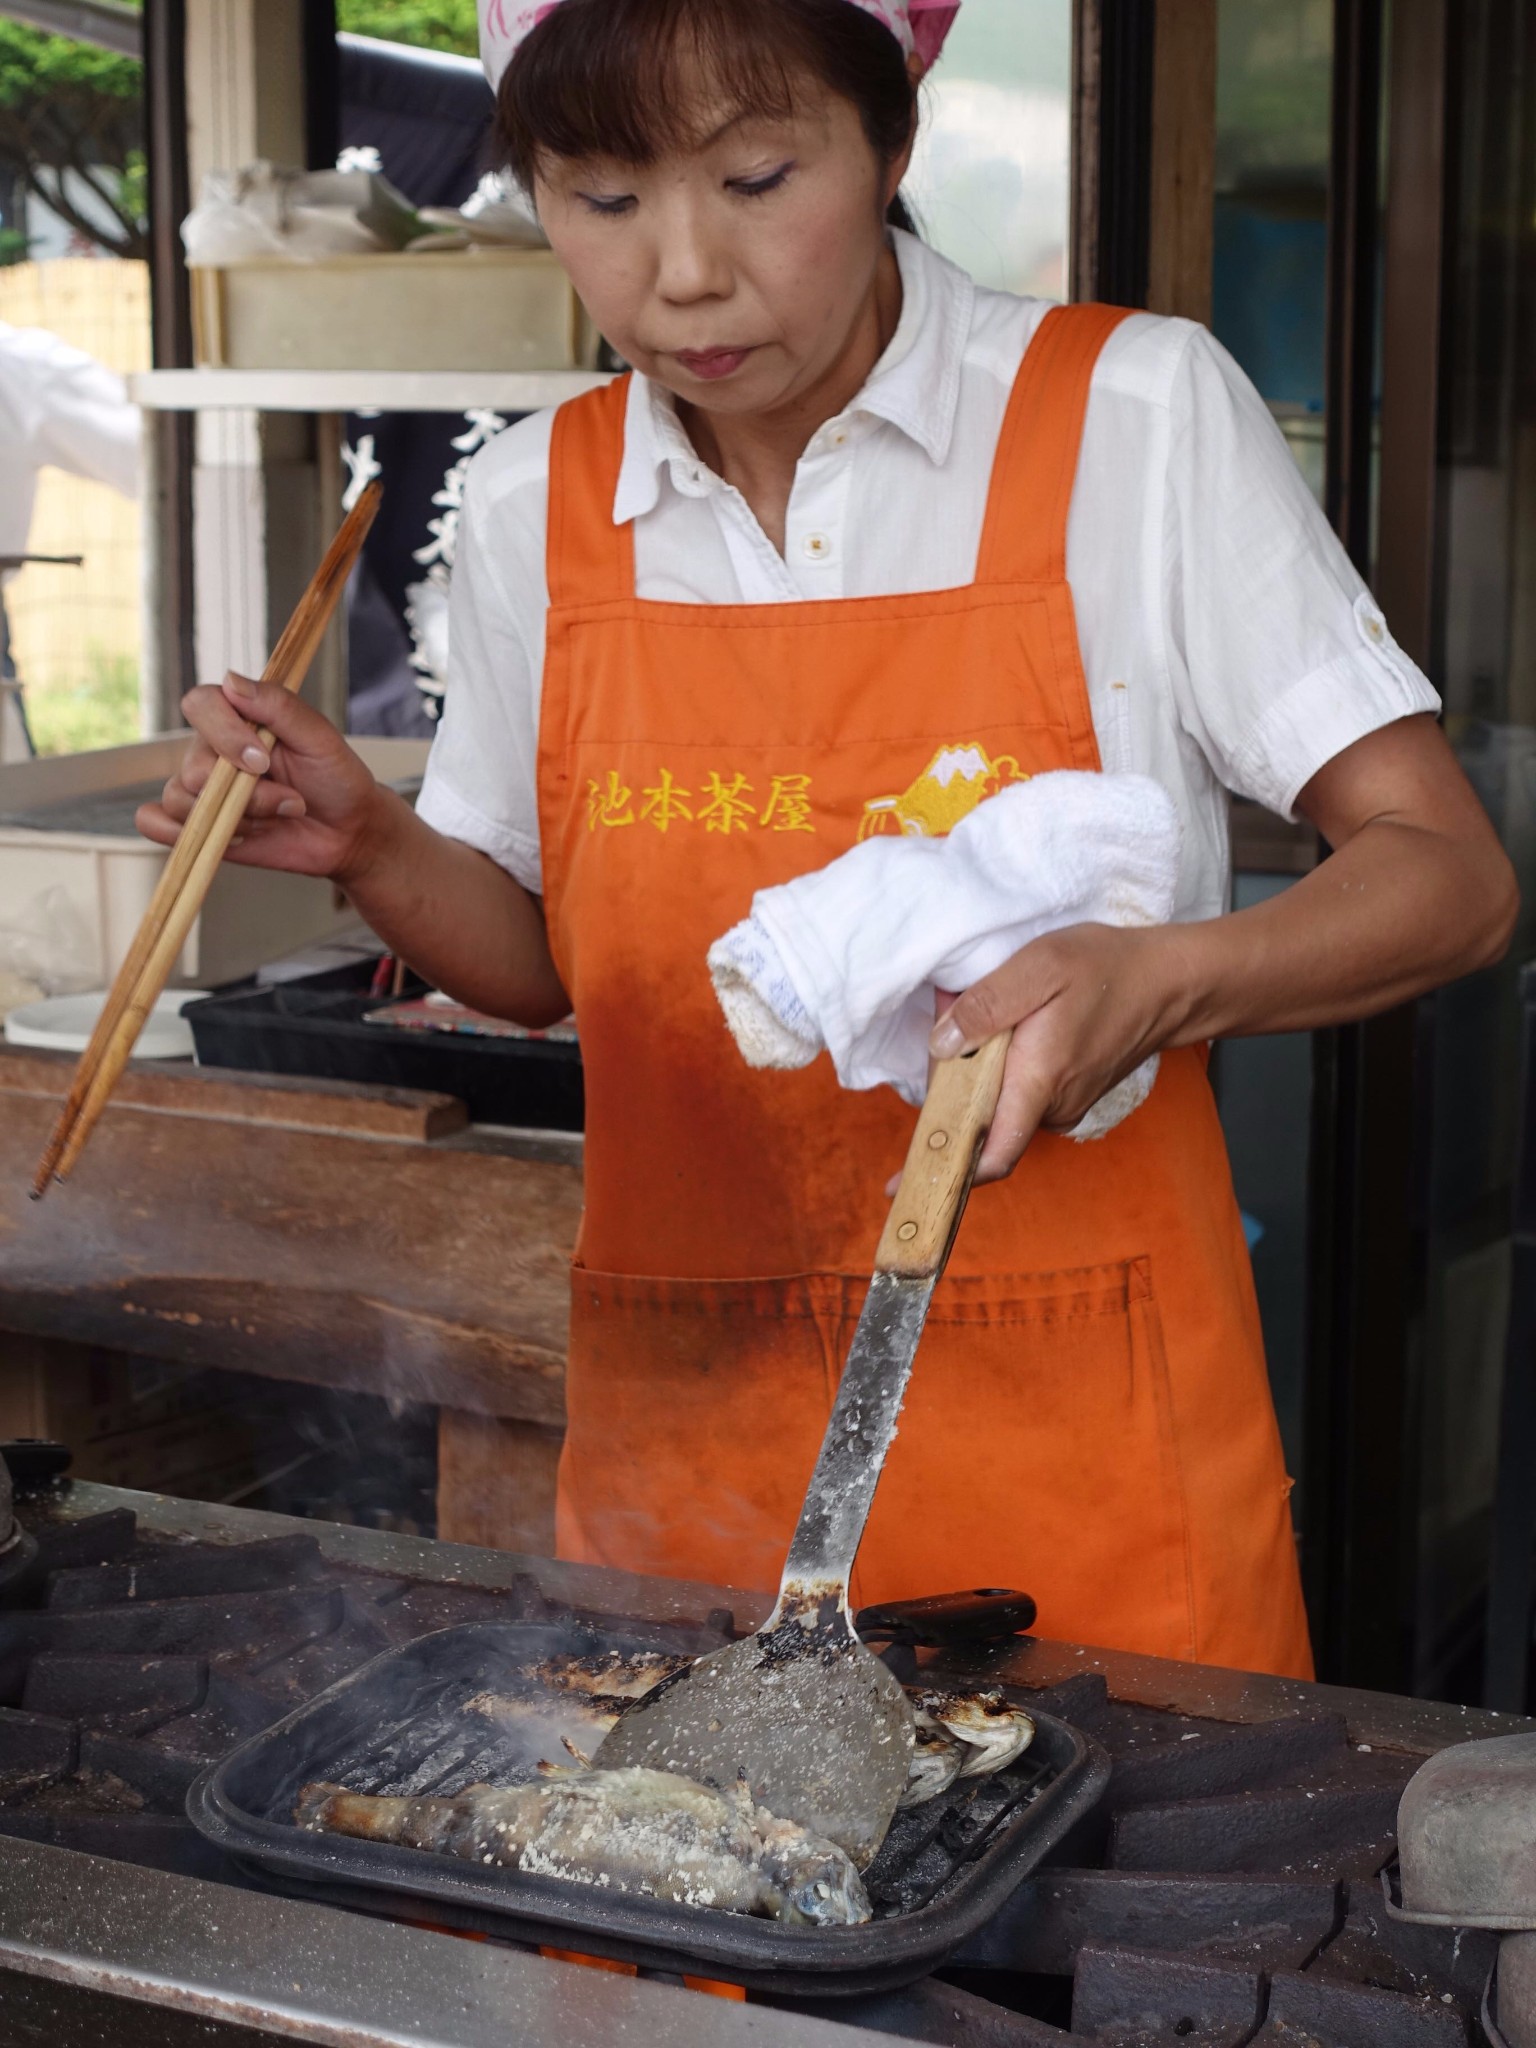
1037,1450
695,1409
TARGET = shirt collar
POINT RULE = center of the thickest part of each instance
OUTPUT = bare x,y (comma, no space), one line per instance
915,386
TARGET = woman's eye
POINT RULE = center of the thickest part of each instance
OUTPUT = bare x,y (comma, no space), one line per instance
757,188
609,208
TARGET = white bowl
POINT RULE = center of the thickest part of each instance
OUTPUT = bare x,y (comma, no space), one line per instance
65,1023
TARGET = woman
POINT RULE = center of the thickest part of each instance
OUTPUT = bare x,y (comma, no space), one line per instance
850,515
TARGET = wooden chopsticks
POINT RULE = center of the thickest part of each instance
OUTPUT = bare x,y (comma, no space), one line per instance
194,861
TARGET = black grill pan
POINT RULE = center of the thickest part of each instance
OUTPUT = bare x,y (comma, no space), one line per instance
402,1724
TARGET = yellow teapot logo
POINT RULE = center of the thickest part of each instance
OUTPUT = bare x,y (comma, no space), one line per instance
955,781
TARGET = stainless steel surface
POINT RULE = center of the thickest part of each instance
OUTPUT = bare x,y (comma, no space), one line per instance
134,1954
802,1712
1467,1837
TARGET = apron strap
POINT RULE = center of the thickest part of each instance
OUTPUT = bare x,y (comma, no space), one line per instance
589,560
1024,539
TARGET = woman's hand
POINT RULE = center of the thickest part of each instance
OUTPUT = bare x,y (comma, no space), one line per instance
316,806
1086,1005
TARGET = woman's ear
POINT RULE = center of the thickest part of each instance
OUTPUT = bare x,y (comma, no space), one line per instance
916,71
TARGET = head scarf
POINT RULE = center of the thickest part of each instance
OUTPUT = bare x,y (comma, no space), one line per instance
920,26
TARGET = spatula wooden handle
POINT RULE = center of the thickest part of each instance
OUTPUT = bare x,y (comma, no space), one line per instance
941,1161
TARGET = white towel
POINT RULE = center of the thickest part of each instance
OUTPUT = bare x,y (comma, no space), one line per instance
849,958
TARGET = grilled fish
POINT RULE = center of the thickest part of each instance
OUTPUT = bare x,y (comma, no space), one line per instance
992,1732
634,1831
572,1702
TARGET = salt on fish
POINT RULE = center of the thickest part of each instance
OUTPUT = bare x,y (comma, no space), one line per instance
649,1832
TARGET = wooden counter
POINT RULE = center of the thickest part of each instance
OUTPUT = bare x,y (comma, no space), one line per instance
353,1237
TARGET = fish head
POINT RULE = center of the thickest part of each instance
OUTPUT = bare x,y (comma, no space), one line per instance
828,1893
813,1882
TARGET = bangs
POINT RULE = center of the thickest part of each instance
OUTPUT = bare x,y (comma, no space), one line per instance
638,80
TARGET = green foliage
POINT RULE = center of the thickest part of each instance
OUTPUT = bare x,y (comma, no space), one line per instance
67,107
14,246
101,711
35,66
133,187
430,24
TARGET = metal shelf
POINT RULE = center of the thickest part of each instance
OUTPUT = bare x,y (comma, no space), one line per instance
336,391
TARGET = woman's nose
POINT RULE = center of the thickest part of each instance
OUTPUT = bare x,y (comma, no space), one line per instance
692,263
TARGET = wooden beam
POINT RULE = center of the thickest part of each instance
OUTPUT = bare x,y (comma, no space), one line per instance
169,664
171,1088
1087,92
346,1253
1182,170
496,1482
1144,153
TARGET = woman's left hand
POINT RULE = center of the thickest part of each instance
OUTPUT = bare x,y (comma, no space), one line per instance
1087,1005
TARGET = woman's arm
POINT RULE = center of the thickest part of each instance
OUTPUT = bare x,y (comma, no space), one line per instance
460,920
1417,891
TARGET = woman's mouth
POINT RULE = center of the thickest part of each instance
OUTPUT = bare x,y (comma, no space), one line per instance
712,363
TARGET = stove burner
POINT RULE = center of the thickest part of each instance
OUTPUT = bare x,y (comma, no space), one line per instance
1224,1896
17,1550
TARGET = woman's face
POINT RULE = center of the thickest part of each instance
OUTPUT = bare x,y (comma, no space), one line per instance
737,273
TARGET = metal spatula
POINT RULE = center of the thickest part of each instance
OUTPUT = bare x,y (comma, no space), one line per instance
811,1720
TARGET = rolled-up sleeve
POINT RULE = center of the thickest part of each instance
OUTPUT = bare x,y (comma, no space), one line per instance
85,422
1278,656
481,784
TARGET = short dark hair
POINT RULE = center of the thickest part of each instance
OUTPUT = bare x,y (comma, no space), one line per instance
618,78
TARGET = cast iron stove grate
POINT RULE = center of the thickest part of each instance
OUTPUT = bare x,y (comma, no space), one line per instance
1211,1903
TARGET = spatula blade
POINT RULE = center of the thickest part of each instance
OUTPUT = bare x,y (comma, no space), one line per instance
811,1719
823,1739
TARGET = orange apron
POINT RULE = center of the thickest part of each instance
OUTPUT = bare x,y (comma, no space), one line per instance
1089,1417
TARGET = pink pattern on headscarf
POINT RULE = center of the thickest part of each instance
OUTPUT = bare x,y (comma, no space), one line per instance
918,25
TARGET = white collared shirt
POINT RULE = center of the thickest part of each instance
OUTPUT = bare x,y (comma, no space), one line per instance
61,409
1228,642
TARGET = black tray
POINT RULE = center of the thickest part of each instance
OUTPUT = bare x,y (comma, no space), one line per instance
316,1026
398,1725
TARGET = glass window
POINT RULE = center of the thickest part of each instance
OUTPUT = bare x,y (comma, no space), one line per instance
73,285
1269,291
992,174
1269,284
1485,667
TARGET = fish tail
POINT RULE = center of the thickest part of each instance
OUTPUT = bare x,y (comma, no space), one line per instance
335,1811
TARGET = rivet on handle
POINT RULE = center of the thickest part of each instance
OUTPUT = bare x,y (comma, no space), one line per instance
938,1140
907,1232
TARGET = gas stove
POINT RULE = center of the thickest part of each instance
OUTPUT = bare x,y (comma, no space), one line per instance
1227,1891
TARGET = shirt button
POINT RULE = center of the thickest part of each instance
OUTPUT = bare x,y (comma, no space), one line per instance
1376,630
839,437
817,547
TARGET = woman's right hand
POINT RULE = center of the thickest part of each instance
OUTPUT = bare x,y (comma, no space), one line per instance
316,808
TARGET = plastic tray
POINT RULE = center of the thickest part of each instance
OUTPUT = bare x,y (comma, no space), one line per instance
400,1725
316,1026
75,878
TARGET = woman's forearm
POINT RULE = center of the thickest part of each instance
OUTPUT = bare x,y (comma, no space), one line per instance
1395,912
462,922
1419,891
